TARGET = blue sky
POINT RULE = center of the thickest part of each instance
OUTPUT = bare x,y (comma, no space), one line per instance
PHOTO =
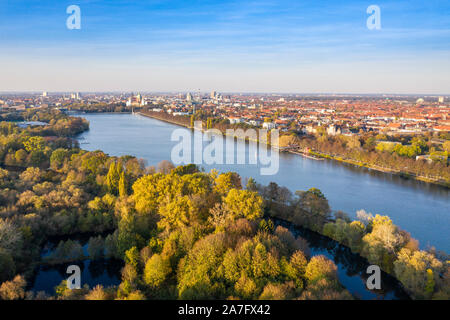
299,46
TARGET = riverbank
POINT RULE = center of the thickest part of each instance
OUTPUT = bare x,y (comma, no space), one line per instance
246,138
402,174
320,156
318,241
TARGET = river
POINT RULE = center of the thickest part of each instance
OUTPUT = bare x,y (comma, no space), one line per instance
106,271
420,208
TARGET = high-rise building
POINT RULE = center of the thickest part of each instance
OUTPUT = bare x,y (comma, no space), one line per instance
44,94
441,99
213,94
189,97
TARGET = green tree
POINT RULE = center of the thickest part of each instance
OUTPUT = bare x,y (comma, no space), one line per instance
132,257
244,204
113,177
157,269
429,287
7,266
123,185
320,267
34,144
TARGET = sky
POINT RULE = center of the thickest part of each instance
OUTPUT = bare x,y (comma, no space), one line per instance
293,46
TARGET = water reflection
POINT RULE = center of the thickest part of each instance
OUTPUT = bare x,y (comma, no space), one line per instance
351,267
106,272
420,208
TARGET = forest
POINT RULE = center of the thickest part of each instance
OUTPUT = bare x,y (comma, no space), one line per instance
181,233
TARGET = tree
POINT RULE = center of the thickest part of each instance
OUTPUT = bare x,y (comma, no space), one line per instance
353,142
199,273
277,291
132,257
224,182
251,185
127,236
288,140
411,268
34,144
244,204
98,293
429,287
299,262
176,213
7,266
112,178
123,185
58,157
156,270
320,267
14,289
21,155
165,167
316,206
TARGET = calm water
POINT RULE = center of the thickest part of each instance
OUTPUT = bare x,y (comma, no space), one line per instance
106,272
351,267
420,208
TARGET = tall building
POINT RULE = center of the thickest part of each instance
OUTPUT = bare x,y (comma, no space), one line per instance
213,94
441,99
189,97
44,94
136,101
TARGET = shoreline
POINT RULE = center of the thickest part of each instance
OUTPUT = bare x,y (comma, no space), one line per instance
247,139
320,156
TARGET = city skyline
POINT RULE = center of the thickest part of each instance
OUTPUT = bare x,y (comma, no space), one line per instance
265,47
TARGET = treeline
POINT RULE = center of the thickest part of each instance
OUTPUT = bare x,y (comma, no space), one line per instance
424,274
182,233
33,145
366,151
208,121
99,107
185,234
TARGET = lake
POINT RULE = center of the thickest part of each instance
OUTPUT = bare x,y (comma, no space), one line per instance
420,208
106,272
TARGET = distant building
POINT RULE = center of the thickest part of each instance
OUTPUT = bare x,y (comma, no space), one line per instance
189,97
441,99
44,94
269,125
136,101
334,130
234,120
213,94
